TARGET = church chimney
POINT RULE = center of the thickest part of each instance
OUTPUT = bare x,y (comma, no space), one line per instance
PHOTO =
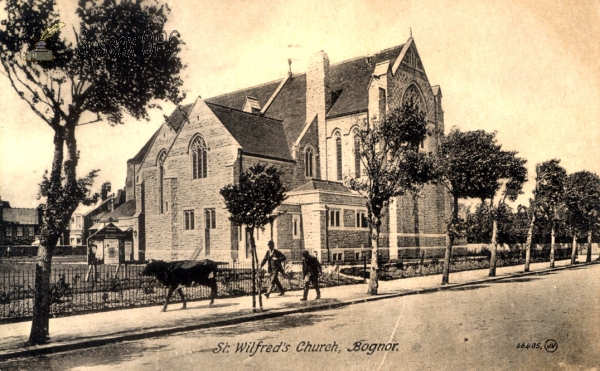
318,101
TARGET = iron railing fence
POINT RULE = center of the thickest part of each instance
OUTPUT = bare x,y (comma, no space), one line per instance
107,289
406,268
73,292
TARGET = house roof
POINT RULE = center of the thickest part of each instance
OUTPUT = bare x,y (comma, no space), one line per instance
126,210
323,185
349,80
98,208
20,215
250,131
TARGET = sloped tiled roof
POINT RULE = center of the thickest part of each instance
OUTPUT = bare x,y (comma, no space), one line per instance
21,216
257,135
323,185
175,121
139,157
350,78
126,210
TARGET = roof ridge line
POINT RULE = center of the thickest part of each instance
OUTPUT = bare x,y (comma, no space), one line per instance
246,88
239,110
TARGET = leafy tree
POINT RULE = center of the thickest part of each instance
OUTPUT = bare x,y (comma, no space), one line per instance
104,80
252,202
466,166
506,174
548,198
582,199
392,166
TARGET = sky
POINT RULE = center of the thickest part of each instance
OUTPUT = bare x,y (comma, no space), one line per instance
527,69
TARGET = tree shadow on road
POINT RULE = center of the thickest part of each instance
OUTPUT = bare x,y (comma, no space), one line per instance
517,280
468,288
269,325
111,354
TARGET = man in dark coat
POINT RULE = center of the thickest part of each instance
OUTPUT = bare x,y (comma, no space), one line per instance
275,258
311,270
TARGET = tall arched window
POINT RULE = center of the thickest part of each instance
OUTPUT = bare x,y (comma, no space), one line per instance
199,158
161,174
356,154
338,154
309,162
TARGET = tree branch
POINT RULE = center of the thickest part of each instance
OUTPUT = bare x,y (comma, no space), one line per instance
98,119
22,95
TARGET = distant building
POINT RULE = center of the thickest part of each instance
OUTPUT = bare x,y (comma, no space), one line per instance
18,226
87,220
305,124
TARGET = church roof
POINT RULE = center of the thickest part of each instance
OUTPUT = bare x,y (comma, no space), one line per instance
323,185
174,121
251,130
349,80
139,157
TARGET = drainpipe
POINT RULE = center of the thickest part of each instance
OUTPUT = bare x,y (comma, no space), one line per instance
327,233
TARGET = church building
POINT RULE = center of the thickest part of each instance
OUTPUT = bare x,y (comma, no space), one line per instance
305,125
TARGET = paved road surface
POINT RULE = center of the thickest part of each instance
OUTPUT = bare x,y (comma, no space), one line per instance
477,327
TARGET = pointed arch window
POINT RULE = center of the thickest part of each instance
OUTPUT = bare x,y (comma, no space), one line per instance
161,174
338,154
356,154
199,158
309,157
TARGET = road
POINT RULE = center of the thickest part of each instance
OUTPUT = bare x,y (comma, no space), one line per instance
556,316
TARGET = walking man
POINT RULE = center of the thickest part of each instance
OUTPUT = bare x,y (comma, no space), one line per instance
311,270
275,258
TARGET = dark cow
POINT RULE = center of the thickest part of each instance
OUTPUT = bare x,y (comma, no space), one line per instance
183,273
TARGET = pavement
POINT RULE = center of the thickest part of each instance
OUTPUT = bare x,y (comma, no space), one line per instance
96,329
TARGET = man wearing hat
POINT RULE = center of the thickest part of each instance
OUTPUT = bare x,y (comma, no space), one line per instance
275,258
311,270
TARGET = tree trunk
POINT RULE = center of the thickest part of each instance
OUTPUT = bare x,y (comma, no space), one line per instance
552,246
588,257
40,324
260,306
574,248
528,244
374,275
492,272
449,242
250,234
